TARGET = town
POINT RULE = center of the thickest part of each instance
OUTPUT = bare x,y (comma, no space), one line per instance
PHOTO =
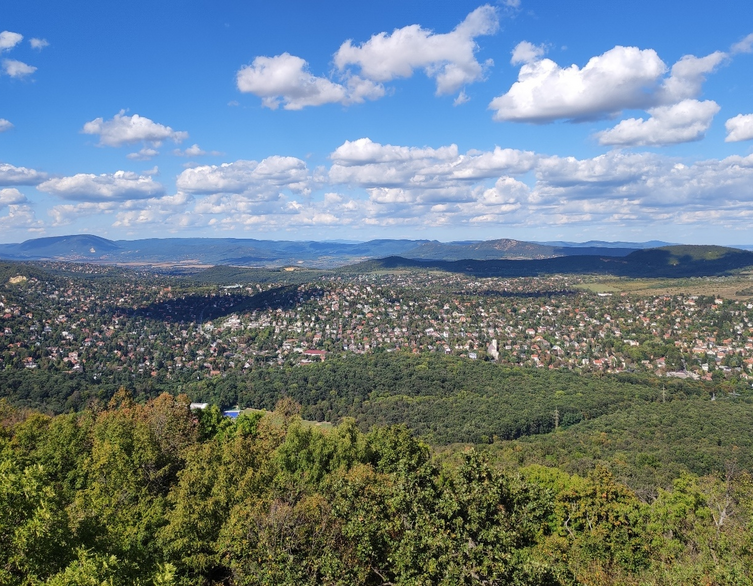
164,328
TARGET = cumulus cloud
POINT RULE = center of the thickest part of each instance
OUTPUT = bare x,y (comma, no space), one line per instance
609,171
648,182
19,219
364,150
489,164
233,212
10,175
15,68
157,210
423,186
195,151
122,130
687,77
683,122
619,79
5,125
118,186
285,78
368,164
144,154
739,128
9,39
426,186
525,52
66,214
263,178
623,77
373,184
448,58
743,46
418,187
38,44
11,196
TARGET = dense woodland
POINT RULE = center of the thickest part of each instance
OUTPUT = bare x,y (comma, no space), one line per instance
158,494
385,463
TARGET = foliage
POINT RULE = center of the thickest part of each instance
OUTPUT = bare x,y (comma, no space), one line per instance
156,494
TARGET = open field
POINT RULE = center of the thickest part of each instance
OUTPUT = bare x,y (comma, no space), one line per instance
734,287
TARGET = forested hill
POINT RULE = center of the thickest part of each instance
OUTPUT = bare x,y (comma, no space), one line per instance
672,262
160,495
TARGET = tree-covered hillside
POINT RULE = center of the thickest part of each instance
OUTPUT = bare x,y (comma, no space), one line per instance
156,494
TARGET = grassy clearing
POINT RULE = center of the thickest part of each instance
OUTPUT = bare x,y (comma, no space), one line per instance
276,419
733,287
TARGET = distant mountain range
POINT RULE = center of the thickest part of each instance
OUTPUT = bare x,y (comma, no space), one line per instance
232,257
277,253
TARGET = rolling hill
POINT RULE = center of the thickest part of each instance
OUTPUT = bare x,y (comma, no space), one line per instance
671,261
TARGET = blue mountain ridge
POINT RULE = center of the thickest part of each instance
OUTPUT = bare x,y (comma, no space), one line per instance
250,252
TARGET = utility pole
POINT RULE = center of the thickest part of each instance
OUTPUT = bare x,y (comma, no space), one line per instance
556,418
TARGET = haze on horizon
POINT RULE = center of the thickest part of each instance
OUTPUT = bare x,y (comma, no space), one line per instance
508,119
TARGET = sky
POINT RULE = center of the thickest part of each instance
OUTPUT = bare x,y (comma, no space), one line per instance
298,120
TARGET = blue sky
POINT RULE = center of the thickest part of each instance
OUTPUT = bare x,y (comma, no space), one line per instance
344,120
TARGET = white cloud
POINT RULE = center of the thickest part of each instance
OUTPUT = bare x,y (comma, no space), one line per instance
265,178
233,203
144,154
419,187
360,89
369,164
38,44
66,214
743,46
687,77
5,125
622,78
15,68
122,130
144,217
195,151
489,164
525,52
614,189
8,40
600,174
683,122
128,213
11,196
20,218
448,58
364,150
739,128
118,186
505,191
285,78
645,183
10,175
433,187
461,98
